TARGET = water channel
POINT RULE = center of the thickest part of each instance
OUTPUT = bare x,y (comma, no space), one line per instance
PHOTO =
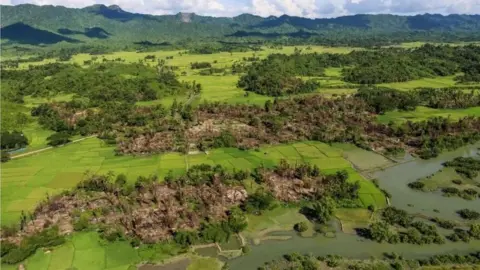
394,180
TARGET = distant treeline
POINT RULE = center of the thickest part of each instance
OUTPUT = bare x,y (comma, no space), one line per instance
383,99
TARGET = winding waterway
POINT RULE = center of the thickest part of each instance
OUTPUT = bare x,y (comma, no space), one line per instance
394,180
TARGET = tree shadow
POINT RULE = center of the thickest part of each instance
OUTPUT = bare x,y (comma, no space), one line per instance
308,212
149,43
25,34
298,34
356,21
363,232
94,32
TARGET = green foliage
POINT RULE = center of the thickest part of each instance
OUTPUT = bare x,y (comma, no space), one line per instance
383,99
301,226
5,156
275,76
395,216
446,224
200,65
46,238
225,139
237,221
258,202
58,138
321,211
466,166
13,140
82,222
468,214
416,185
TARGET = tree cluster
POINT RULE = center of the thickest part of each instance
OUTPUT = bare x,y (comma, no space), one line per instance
12,140
414,232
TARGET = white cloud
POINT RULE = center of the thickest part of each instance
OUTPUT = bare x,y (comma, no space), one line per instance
304,8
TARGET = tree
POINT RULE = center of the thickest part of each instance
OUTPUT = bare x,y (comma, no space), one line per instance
323,209
474,230
301,226
58,138
121,180
258,202
268,105
237,221
5,156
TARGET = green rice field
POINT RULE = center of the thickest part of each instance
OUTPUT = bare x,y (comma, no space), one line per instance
86,250
26,181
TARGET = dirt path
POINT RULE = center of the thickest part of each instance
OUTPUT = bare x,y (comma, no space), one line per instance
48,148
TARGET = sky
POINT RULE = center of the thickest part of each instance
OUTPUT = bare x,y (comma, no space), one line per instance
303,8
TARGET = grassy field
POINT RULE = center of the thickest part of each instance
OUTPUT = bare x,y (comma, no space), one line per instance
353,218
26,181
437,82
215,87
180,58
423,113
278,219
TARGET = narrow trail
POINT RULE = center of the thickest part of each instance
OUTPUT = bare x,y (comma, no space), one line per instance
49,147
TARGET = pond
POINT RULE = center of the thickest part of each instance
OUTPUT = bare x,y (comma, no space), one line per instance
394,180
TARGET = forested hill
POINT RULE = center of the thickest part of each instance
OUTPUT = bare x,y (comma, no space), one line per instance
31,24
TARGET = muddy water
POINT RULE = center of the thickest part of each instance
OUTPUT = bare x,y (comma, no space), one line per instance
394,180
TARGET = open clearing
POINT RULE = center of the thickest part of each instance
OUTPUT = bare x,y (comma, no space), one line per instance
352,219
26,181
278,219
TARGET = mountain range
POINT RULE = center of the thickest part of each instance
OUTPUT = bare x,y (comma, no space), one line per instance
43,25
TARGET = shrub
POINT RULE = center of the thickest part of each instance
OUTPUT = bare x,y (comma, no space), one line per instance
457,181
5,156
416,185
58,138
469,214
301,226
46,238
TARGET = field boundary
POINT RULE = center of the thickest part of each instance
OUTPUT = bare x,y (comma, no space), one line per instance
49,147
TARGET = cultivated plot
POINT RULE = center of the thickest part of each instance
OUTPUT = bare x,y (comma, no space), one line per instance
26,181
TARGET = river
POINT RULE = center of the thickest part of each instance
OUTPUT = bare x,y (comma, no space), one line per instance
394,180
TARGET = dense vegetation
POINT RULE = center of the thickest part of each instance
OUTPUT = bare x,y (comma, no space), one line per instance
383,99
469,214
276,75
414,232
102,81
12,140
